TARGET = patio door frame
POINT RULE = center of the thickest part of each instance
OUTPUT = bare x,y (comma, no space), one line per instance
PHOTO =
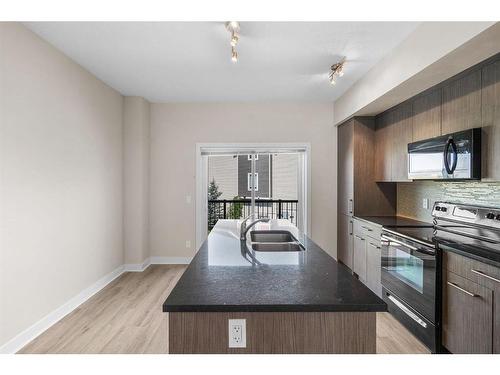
304,176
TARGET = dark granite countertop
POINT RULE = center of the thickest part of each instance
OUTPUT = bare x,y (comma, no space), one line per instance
394,221
226,276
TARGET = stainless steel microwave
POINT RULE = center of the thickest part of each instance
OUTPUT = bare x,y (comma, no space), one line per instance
454,156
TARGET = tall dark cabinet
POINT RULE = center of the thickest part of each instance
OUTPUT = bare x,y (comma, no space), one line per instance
358,194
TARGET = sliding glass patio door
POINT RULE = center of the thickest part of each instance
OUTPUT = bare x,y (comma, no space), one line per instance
247,181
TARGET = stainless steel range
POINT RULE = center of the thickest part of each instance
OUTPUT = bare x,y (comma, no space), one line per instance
411,262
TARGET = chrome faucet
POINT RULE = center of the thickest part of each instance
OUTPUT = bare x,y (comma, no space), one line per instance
244,228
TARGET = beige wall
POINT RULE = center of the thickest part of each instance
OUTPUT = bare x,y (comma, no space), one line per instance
135,180
60,181
175,130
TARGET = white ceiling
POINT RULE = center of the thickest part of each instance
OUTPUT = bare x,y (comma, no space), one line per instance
191,61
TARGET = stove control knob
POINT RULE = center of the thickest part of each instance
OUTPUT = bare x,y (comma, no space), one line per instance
497,217
444,209
490,216
438,208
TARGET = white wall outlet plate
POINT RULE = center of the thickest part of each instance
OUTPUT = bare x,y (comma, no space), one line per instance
425,203
188,244
237,333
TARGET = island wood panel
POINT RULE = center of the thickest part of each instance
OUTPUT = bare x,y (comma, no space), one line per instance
491,121
274,332
383,148
345,162
461,107
427,115
402,134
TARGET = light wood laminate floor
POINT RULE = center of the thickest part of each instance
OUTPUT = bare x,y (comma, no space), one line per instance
126,317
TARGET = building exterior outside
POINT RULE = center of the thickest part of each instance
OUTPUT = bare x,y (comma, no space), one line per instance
276,176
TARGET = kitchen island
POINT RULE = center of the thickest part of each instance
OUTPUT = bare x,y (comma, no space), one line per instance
292,301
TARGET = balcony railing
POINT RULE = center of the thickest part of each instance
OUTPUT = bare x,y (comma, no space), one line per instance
240,208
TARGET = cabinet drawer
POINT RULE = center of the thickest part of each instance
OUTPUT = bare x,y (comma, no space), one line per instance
365,229
471,269
467,315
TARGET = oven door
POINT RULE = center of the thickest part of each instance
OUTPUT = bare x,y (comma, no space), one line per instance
409,272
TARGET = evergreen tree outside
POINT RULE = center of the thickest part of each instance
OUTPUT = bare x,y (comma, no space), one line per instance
236,209
213,194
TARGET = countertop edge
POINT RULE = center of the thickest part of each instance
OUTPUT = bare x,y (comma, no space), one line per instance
276,308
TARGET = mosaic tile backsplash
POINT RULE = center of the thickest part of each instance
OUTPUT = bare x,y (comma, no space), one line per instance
411,194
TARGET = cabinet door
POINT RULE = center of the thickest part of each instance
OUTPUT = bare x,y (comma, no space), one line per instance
345,241
427,116
461,108
359,257
373,266
491,122
345,179
383,148
402,134
467,315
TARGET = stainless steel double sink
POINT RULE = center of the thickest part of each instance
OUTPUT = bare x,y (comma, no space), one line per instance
274,240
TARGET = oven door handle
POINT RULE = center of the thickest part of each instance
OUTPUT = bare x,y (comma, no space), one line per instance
407,311
390,239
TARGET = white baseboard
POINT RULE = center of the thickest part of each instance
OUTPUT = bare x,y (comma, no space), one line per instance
19,341
170,260
137,267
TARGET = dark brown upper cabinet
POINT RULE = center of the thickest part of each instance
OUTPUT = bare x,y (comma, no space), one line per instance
427,115
394,132
461,107
402,134
491,122
383,148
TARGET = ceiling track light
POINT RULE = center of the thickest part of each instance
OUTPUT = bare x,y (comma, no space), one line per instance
336,70
234,55
233,27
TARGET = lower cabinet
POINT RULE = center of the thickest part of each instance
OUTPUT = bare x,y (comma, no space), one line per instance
467,316
359,257
471,305
366,255
373,266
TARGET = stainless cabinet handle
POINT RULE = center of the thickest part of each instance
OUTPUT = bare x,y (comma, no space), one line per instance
461,289
350,205
358,237
408,312
373,245
366,228
480,273
351,227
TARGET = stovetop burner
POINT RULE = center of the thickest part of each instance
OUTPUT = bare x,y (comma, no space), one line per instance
472,230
